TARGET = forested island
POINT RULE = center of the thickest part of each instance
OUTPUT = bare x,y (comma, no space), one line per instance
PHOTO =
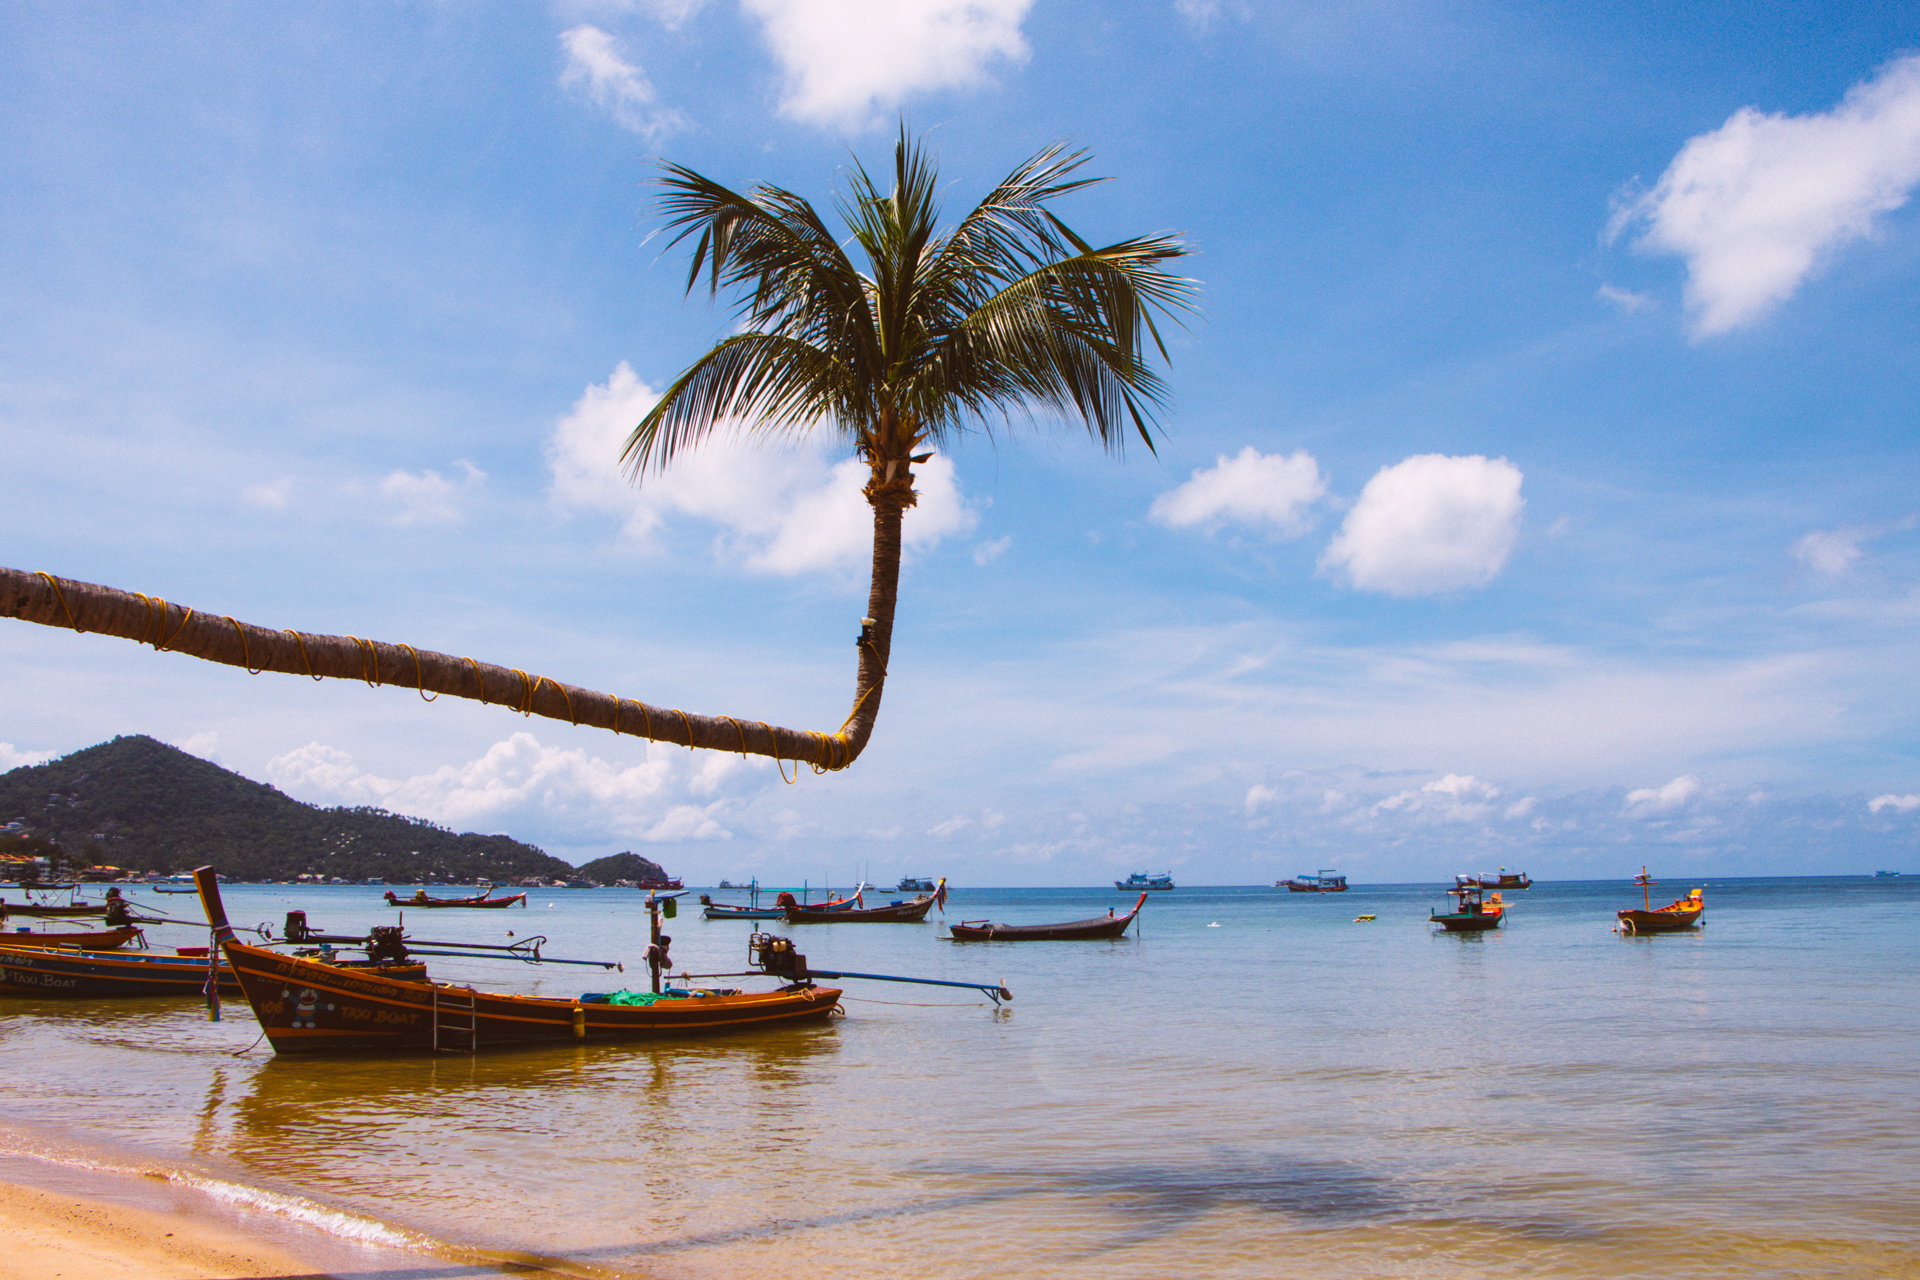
141,806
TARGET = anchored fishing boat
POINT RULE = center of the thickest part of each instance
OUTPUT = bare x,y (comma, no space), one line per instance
1326,880
1504,879
754,911
485,898
91,975
1107,926
914,884
903,912
1474,912
1681,913
1141,880
304,1006
43,906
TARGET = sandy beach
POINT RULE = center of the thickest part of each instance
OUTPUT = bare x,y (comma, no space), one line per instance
54,1236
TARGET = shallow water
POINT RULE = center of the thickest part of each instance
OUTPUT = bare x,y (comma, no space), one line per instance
1254,1085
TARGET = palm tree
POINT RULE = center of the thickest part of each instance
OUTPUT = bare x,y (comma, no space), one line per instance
1009,312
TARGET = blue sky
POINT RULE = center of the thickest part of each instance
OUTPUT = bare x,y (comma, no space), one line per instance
1539,487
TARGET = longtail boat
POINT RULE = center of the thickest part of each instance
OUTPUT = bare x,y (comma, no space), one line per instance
1107,926
727,911
1504,879
908,912
484,899
51,910
1681,913
1475,912
304,1006
88,975
111,940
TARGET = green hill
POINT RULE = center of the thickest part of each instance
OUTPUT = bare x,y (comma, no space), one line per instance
143,805
622,866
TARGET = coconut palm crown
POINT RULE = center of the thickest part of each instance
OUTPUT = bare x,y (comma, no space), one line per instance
1007,313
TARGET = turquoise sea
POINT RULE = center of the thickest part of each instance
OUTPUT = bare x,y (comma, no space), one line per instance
1255,1085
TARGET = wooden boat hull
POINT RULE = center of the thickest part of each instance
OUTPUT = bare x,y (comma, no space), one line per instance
904,913
1664,920
111,940
1107,926
515,900
39,911
304,1006
727,911
1460,922
96,975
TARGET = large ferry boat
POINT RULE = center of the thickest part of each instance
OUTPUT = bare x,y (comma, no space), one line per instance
1141,880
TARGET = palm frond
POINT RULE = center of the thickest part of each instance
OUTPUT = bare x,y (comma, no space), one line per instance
766,382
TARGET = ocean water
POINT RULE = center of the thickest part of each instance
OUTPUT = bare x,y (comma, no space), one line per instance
1253,1085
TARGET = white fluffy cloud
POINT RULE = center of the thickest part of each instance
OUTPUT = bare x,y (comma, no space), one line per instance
1835,553
848,61
11,757
1456,797
1899,804
672,796
787,511
597,72
1755,205
1430,525
1250,488
429,497
1648,801
1829,551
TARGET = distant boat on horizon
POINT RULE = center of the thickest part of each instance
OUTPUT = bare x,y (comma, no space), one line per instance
1327,880
1141,880
1886,873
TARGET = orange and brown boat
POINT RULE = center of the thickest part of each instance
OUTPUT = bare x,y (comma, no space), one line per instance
483,899
305,1006
109,940
1681,913
58,971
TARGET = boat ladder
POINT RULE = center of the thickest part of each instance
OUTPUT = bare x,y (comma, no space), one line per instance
456,1024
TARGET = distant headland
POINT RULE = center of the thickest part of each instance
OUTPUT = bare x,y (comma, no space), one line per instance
136,807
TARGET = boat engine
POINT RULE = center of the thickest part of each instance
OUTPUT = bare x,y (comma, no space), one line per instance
384,945
296,927
776,955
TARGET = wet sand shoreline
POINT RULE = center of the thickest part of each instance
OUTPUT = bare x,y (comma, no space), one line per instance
101,1226
63,1220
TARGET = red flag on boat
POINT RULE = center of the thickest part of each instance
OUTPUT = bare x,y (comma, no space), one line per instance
940,895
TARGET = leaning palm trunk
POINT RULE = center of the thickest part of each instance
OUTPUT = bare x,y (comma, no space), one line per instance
175,628
1008,312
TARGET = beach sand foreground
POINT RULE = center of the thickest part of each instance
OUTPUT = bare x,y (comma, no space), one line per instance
52,1236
